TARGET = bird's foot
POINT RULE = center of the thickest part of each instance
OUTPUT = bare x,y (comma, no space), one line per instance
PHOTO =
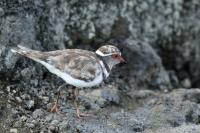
55,109
81,114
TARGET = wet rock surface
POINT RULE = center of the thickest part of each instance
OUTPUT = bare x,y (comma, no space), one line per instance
154,92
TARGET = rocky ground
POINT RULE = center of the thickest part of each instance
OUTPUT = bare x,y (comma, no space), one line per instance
141,111
157,91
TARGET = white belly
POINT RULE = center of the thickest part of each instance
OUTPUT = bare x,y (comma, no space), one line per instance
69,79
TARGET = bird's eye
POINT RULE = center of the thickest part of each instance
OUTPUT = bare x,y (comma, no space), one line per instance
115,56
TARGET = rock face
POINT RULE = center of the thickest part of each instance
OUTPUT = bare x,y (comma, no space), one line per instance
159,39
144,67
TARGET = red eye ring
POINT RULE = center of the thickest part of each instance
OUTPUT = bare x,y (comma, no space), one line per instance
115,56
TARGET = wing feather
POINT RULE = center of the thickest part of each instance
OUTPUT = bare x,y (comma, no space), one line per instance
79,64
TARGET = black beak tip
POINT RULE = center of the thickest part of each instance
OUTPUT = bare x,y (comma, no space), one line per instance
124,62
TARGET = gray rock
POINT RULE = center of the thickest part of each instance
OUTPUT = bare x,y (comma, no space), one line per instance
190,128
1,12
30,125
52,128
38,113
110,95
30,104
192,95
130,121
175,111
13,130
10,60
100,97
18,99
144,68
186,83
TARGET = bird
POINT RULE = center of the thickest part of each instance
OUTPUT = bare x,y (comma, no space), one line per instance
77,67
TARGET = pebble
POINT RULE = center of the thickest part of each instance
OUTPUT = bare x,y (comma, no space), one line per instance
34,82
24,118
18,99
186,83
26,97
30,125
38,113
18,124
110,95
52,128
1,12
13,130
54,122
49,118
45,99
30,104
14,91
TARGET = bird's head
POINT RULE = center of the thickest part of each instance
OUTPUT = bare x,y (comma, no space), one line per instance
110,54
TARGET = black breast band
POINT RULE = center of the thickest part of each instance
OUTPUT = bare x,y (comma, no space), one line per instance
105,64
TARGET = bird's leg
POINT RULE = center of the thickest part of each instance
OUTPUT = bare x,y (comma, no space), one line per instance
55,108
76,102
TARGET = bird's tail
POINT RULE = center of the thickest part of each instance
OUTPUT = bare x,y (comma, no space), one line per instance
32,54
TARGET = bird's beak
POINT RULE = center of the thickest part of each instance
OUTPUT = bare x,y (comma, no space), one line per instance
121,59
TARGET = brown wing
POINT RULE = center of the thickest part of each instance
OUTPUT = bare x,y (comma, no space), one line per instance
80,64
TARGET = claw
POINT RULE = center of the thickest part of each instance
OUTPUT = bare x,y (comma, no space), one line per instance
81,115
55,109
76,103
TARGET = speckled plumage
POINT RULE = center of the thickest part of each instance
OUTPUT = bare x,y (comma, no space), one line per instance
81,64
84,66
80,68
109,49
